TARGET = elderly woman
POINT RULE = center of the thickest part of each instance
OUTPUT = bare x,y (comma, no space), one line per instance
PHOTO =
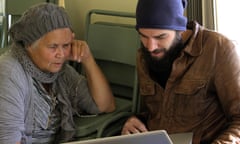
39,91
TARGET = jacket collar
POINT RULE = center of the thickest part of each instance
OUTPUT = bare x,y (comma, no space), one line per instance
194,48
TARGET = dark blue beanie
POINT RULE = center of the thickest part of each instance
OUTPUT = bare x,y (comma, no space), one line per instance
162,14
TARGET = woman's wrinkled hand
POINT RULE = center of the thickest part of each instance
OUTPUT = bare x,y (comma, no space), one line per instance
80,51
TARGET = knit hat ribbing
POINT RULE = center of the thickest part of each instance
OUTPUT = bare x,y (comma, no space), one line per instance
37,21
163,14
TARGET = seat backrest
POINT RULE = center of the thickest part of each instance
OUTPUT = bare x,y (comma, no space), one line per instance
114,46
13,11
3,25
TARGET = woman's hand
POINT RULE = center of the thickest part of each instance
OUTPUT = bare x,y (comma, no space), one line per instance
80,51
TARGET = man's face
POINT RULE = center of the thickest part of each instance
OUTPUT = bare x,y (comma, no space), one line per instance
51,51
159,42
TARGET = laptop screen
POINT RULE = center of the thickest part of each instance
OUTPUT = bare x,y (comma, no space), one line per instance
152,137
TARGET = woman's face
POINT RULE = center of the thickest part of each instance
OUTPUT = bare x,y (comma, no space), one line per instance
51,51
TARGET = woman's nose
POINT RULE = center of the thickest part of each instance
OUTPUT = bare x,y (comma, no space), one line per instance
60,52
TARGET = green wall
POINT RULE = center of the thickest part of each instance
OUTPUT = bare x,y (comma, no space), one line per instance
77,10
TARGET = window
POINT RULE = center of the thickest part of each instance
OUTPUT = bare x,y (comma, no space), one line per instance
227,19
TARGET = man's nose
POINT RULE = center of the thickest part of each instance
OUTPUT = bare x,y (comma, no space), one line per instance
151,45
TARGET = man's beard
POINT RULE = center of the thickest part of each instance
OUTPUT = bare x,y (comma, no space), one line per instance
165,63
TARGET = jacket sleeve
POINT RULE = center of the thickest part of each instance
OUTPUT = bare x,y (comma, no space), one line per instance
11,105
227,81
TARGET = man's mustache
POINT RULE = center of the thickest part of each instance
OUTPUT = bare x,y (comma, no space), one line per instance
159,50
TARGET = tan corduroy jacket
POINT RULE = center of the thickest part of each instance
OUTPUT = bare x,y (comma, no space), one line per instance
202,94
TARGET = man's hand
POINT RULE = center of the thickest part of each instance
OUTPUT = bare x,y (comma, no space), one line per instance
133,125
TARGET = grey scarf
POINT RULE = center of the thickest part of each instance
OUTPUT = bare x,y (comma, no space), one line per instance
59,87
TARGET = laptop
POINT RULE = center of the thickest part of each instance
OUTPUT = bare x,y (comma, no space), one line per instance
152,137
181,138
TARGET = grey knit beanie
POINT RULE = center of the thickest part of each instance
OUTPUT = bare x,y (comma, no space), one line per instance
37,21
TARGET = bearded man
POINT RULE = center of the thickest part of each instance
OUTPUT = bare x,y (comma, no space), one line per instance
188,76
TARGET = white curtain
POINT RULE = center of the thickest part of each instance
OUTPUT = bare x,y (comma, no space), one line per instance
209,14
